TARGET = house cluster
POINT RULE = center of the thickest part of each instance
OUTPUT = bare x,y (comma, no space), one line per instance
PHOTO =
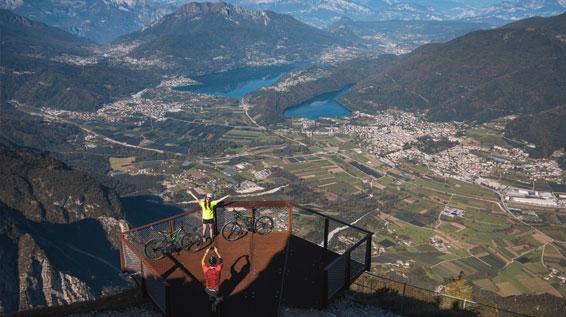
247,187
261,175
236,169
393,129
438,244
451,212
555,274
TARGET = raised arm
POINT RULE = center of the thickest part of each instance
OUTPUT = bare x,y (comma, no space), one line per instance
221,199
202,262
191,193
217,253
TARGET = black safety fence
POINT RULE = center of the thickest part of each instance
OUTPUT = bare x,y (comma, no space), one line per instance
349,248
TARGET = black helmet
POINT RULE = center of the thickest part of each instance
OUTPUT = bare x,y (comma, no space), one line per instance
212,260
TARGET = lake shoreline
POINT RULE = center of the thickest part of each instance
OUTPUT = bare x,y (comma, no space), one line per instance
323,105
239,82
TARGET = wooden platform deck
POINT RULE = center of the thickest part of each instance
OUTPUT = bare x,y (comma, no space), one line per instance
260,272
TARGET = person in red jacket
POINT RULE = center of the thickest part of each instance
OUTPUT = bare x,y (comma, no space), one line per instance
212,271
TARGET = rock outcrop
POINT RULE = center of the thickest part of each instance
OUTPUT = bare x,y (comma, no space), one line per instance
45,189
58,233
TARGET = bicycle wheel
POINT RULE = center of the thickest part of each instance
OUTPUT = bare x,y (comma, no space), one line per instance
183,242
196,244
154,249
232,231
264,225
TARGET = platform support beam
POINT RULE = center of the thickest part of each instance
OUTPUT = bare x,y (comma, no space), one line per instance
347,276
368,252
324,295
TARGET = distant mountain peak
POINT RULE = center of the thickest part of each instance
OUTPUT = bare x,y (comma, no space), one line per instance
98,20
233,36
197,9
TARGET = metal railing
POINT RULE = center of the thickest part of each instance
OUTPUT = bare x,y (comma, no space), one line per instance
423,301
132,261
350,244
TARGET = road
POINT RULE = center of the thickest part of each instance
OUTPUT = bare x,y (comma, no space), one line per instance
335,231
105,138
245,107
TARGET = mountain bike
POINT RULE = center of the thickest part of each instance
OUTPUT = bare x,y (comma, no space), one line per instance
241,224
168,242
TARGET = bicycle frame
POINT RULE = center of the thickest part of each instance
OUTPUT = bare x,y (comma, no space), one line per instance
247,221
172,237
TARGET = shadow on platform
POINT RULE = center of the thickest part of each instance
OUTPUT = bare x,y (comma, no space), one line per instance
260,273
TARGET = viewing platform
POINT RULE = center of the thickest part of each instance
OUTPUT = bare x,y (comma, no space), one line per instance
305,261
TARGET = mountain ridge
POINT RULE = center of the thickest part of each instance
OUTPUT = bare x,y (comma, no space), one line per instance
98,20
44,66
47,212
324,13
208,37
480,76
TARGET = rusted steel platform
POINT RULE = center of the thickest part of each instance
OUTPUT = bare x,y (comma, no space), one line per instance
251,280
299,264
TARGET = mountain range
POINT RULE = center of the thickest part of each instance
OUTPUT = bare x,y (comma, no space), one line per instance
515,69
45,66
206,37
324,13
106,20
55,220
98,20
513,10
397,36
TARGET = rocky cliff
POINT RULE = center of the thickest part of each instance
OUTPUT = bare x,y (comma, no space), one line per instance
58,233
45,189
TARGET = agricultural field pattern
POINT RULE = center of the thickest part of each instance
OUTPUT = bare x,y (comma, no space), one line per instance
444,209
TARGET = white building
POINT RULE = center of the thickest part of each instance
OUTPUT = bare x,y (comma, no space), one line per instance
535,201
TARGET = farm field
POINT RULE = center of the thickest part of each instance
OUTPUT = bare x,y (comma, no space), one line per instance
121,163
323,172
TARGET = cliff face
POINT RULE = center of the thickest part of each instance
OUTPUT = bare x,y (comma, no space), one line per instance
9,268
40,284
45,189
58,233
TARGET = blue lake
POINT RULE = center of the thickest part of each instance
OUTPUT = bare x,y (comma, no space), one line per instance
324,105
239,82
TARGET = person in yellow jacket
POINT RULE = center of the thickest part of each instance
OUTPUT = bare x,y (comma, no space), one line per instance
207,206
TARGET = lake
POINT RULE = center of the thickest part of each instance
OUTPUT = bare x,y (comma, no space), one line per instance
239,82
324,105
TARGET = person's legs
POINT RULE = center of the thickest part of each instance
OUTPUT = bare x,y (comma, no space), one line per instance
217,301
203,231
210,227
214,298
